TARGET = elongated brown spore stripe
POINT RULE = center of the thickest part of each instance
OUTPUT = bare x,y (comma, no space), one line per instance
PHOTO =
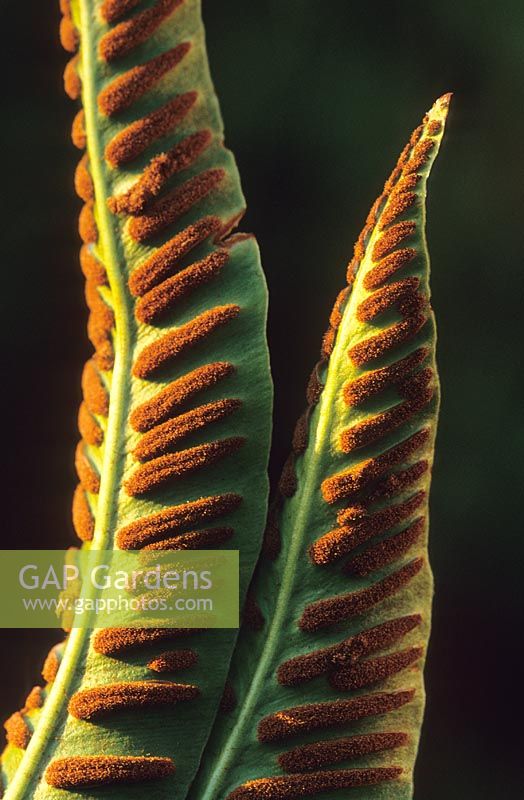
128,35
228,700
98,306
328,340
158,172
314,387
115,641
399,202
18,732
173,520
293,787
72,82
35,698
324,613
372,383
87,227
288,483
83,521
161,439
387,267
83,772
94,391
394,484
341,541
272,541
87,474
177,394
92,269
420,156
114,10
392,238
164,261
173,661
51,664
333,751
301,434
380,636
159,300
345,485
305,667
104,356
384,299
129,87
160,352
83,182
207,539
91,703
418,394
101,338
69,37
169,209
78,131
319,716
386,552
99,327
358,517
366,673
90,430
133,140
149,476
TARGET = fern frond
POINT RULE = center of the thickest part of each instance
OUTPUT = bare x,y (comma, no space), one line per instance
175,421
328,669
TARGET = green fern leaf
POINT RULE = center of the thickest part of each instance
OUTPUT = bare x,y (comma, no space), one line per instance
175,421
329,688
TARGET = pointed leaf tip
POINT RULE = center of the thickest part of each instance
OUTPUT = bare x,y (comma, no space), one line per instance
440,108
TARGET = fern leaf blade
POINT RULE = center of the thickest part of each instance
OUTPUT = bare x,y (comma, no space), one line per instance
175,422
329,678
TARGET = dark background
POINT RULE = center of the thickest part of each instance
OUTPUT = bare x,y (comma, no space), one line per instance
318,99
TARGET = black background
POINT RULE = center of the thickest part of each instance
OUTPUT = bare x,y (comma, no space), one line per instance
318,99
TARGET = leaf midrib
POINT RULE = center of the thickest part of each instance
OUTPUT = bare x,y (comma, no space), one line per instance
119,395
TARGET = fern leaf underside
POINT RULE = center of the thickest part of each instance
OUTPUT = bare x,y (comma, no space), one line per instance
175,420
328,668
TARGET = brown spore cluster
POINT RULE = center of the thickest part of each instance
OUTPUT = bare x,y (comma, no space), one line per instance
291,722
84,772
117,641
164,469
173,661
321,754
289,787
345,654
175,521
89,704
125,36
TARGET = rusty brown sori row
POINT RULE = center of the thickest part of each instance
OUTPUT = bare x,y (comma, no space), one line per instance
367,528
83,772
